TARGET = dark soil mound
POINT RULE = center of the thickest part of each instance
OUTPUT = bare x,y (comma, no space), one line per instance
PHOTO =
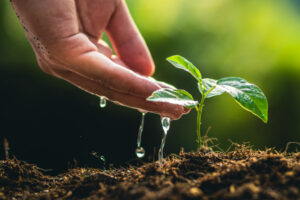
240,174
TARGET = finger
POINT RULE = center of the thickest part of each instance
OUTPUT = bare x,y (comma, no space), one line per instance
98,67
94,15
94,87
162,84
117,60
104,48
128,43
167,85
78,54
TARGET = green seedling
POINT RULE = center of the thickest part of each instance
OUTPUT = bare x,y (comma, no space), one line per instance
247,95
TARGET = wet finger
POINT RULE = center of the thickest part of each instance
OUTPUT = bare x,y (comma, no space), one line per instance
97,88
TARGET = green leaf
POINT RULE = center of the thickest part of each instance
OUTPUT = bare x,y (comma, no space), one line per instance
249,96
173,96
182,63
210,85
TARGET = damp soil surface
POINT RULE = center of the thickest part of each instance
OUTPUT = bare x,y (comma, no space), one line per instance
205,174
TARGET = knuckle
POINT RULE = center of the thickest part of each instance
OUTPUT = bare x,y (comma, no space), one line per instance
46,69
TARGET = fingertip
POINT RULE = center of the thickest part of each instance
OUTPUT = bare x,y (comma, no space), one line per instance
136,56
186,110
177,112
148,68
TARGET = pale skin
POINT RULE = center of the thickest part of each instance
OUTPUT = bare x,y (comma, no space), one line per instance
66,38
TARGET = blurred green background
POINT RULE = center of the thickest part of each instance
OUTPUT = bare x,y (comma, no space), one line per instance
46,119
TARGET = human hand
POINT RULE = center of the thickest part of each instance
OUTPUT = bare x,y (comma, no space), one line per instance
66,38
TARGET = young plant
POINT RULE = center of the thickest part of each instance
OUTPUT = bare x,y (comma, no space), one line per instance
247,95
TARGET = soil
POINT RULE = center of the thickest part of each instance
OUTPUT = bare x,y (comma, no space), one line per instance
239,174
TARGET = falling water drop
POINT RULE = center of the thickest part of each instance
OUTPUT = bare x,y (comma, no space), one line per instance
140,151
102,158
102,102
98,156
165,122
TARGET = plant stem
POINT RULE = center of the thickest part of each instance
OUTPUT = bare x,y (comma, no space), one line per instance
199,115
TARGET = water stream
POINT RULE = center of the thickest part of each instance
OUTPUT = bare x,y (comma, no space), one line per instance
165,122
140,151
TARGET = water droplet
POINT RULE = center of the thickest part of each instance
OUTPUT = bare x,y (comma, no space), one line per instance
102,158
102,102
165,122
140,152
98,156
